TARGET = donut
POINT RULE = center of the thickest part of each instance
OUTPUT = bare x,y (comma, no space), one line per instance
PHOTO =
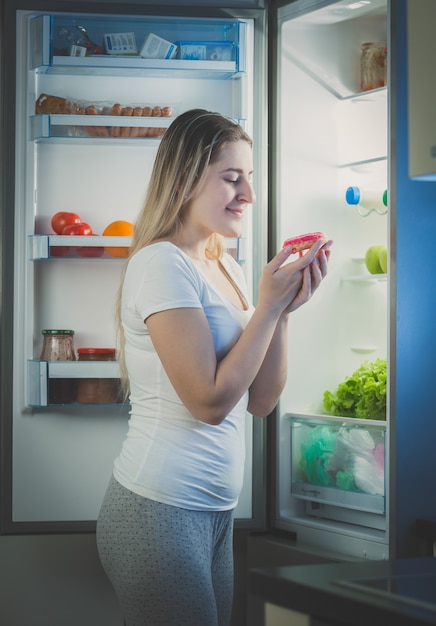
303,242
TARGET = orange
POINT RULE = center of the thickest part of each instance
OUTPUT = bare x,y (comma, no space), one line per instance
119,228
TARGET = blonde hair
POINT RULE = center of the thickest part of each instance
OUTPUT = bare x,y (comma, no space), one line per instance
192,141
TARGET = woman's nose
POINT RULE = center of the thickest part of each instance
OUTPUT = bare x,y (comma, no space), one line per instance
247,194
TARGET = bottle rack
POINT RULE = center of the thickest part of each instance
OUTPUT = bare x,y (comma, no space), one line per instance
364,212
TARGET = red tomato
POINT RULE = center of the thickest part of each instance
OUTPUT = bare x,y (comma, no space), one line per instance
80,228
62,219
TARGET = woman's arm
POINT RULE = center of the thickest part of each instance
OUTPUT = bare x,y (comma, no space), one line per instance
209,388
271,378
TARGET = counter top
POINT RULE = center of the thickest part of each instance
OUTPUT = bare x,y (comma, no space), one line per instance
354,594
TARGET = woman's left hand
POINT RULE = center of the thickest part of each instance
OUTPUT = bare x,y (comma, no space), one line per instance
313,274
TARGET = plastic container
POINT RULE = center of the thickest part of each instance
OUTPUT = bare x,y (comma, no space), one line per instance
97,390
373,65
155,47
370,199
58,345
206,50
339,463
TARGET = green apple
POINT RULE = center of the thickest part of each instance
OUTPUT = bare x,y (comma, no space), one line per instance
383,259
372,261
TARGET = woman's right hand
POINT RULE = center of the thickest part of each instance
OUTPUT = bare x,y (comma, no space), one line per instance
284,286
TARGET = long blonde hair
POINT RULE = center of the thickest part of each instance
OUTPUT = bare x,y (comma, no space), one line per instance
190,144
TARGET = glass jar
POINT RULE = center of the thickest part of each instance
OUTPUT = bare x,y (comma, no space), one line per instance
58,345
373,65
97,390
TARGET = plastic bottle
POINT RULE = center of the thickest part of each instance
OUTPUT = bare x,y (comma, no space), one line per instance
367,198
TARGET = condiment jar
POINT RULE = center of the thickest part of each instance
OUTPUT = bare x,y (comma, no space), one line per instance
58,345
97,390
373,65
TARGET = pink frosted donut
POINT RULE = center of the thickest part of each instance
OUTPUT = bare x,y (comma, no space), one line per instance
303,242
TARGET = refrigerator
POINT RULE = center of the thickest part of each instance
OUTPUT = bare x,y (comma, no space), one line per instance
291,74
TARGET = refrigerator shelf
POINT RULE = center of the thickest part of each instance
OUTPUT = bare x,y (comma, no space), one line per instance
362,167
342,90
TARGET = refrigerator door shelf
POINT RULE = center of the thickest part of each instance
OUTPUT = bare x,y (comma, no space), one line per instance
48,126
364,278
53,34
39,245
39,248
40,372
136,66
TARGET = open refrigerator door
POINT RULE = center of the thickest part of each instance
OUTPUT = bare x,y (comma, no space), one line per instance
332,176
95,93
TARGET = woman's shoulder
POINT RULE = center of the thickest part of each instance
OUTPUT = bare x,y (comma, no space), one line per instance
158,252
160,258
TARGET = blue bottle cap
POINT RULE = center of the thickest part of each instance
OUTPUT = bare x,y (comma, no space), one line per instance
352,195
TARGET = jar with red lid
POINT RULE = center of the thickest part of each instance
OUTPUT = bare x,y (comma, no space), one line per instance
97,390
58,345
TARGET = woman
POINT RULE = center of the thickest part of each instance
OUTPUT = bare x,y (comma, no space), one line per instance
198,356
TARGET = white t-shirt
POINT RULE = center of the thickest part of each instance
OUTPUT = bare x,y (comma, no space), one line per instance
168,455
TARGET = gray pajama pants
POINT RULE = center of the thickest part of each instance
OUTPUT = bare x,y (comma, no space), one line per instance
169,566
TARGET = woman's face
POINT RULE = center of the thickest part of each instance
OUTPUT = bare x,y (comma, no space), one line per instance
218,205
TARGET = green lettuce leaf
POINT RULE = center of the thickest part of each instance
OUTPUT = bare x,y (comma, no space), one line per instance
362,395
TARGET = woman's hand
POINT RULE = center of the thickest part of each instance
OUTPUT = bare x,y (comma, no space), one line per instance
285,286
313,275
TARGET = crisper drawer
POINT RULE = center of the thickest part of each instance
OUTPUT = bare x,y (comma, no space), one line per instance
339,461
